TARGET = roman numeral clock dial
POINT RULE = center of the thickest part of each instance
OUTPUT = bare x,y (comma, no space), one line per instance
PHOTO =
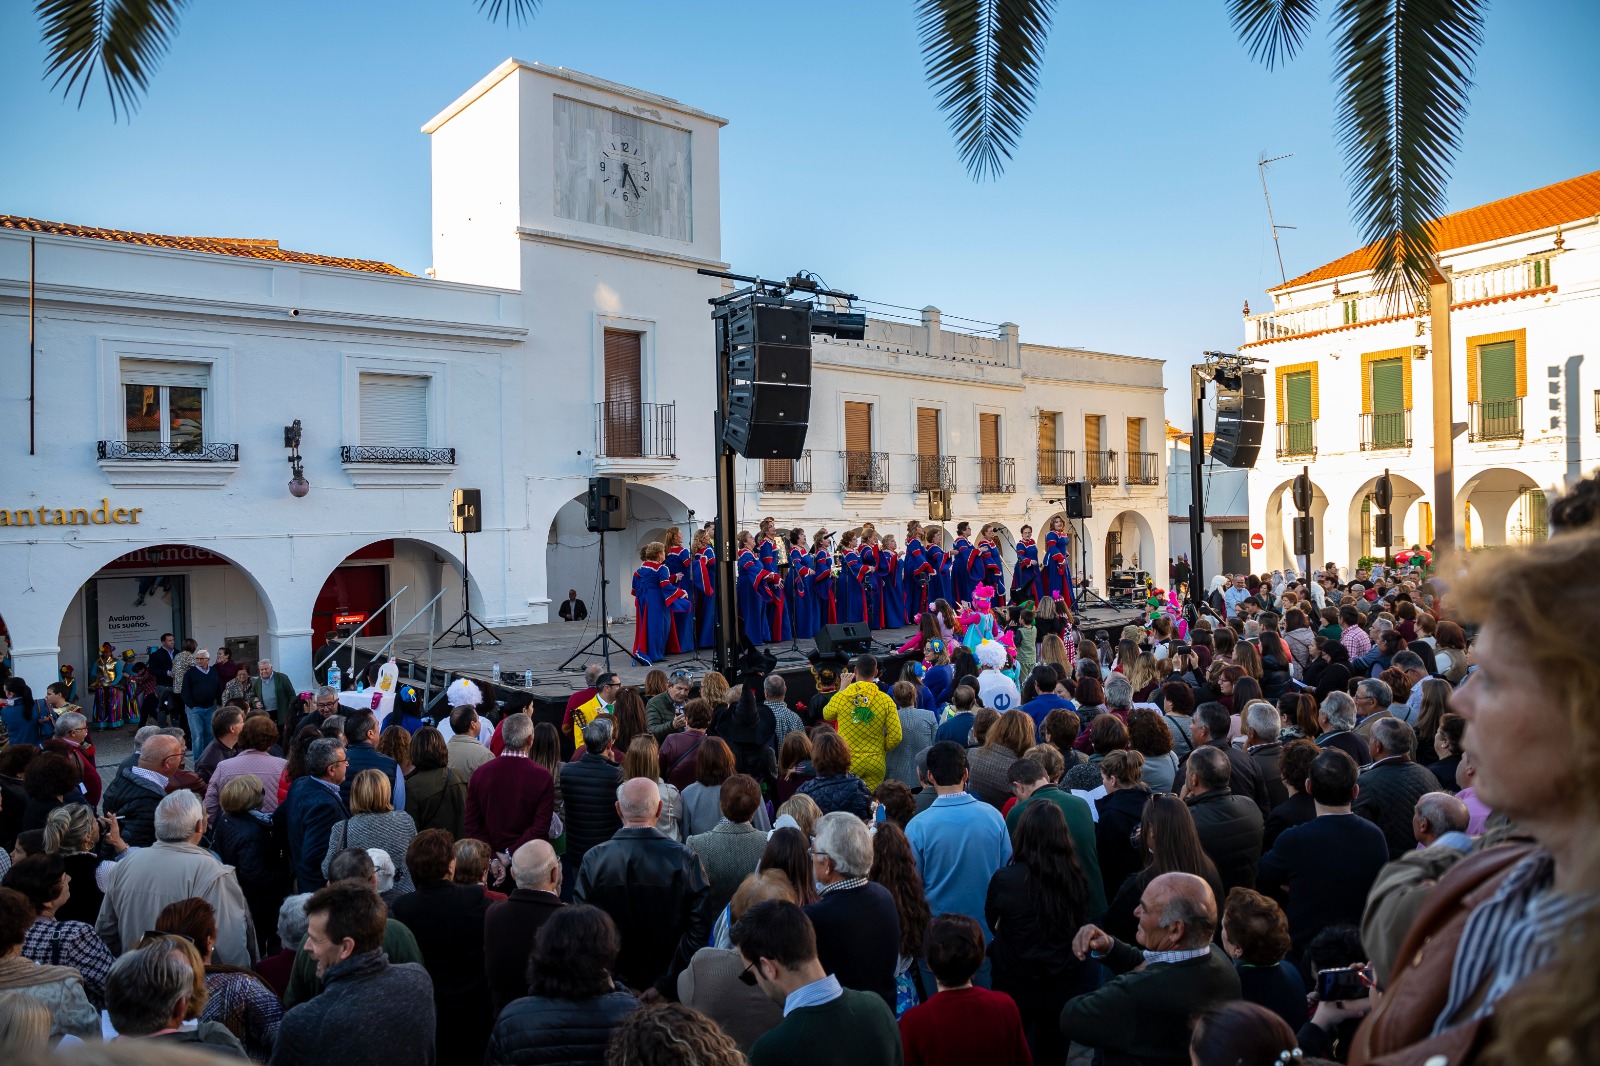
624,173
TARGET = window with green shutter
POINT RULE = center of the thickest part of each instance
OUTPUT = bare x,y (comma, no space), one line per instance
1497,371
1388,404
1297,412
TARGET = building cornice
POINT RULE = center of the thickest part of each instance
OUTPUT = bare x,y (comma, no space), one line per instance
594,244
588,81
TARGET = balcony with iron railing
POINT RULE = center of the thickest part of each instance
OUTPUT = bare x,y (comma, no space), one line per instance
935,472
1495,420
634,437
865,471
1385,430
185,451
997,475
1144,468
1101,467
1297,439
359,453
1056,466
787,475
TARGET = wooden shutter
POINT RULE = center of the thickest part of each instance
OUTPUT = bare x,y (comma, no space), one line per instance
1047,431
928,431
777,474
1388,386
1135,436
857,426
623,414
394,411
1497,372
988,435
1091,433
1297,397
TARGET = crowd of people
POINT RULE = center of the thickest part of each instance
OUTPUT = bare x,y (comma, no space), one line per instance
790,585
1320,823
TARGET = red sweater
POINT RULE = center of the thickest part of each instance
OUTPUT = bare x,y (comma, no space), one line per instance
962,1026
509,802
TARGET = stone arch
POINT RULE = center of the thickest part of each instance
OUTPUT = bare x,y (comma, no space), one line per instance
1129,534
1490,500
1278,531
1407,494
416,568
572,553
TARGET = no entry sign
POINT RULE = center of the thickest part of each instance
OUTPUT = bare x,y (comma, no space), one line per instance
1257,541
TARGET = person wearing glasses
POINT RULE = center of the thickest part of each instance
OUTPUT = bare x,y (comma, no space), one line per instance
312,809
135,792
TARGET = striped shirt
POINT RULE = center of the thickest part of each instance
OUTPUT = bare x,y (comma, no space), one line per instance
1508,937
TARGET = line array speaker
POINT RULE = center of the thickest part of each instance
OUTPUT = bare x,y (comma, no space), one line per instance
769,369
1241,412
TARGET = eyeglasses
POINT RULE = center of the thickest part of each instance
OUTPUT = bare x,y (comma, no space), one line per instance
338,762
748,975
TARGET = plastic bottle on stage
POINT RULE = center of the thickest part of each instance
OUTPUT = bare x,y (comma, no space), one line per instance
334,677
527,679
496,671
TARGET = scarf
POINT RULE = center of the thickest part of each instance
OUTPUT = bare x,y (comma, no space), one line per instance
19,972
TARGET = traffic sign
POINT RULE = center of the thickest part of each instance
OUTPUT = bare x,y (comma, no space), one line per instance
1257,541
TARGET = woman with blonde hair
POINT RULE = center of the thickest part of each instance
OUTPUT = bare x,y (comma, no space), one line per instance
74,833
1054,652
643,759
989,766
1144,674
1248,659
374,823
714,689
24,1025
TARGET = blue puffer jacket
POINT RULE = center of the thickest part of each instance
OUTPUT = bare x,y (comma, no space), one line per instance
841,792
537,1030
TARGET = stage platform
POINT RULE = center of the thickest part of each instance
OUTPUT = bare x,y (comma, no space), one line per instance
544,647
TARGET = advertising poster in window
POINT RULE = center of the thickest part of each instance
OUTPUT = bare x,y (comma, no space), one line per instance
134,611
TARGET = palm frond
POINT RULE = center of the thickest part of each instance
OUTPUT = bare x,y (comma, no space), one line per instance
1273,30
509,11
1405,73
982,58
120,40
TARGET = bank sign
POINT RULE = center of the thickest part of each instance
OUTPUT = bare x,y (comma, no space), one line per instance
104,515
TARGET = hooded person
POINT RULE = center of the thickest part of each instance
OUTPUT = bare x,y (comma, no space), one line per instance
462,693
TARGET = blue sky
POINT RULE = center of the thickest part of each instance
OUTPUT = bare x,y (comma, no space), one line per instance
1130,219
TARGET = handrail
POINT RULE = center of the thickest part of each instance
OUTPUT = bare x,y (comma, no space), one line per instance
334,653
403,629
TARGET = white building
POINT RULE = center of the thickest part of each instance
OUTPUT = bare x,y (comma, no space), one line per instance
1349,382
564,333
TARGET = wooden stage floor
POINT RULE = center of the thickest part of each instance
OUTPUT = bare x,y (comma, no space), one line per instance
544,647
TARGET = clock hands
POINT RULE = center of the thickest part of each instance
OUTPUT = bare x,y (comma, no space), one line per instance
627,180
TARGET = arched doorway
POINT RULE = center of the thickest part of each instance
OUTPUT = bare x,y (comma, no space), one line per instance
1278,528
1130,544
1364,507
572,553
355,592
1501,506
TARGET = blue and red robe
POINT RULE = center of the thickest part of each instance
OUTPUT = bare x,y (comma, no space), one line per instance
760,598
1025,584
678,563
854,574
988,568
799,595
656,599
892,589
915,571
778,619
704,575
939,580
822,584
961,581
1058,568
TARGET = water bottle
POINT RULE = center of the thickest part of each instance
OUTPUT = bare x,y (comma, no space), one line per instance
334,677
496,672
527,679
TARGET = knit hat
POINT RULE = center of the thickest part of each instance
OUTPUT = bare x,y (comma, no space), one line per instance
463,693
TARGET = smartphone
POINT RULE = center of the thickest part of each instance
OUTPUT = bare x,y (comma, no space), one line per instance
1347,982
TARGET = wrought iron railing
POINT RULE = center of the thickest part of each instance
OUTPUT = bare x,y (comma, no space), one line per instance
787,475
1296,439
1101,467
1495,420
1056,466
996,475
182,451
361,453
635,430
1144,468
935,472
865,471
1382,430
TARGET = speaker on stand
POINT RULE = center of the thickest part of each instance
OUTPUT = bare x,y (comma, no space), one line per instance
466,516
1241,416
606,508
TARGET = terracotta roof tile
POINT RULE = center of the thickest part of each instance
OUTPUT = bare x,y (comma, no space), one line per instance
1565,201
246,247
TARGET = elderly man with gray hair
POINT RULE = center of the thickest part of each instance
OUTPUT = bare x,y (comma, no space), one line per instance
653,888
1262,725
137,789
511,798
511,925
589,792
174,868
856,920
1178,974
148,992
1337,719
1392,785
311,810
1373,698
1119,694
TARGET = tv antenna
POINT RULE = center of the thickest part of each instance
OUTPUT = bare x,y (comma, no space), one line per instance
1262,162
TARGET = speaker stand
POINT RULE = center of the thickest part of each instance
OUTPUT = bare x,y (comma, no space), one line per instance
462,628
604,637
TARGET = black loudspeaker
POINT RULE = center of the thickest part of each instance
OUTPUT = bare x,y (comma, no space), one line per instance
467,511
1080,504
1381,532
847,638
1304,538
769,370
607,504
938,505
1241,411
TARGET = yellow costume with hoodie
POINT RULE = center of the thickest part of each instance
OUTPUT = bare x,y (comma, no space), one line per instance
868,722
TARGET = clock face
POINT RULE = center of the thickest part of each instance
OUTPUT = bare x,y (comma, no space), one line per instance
624,173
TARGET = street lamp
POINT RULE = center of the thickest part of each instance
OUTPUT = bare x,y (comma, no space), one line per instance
298,485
